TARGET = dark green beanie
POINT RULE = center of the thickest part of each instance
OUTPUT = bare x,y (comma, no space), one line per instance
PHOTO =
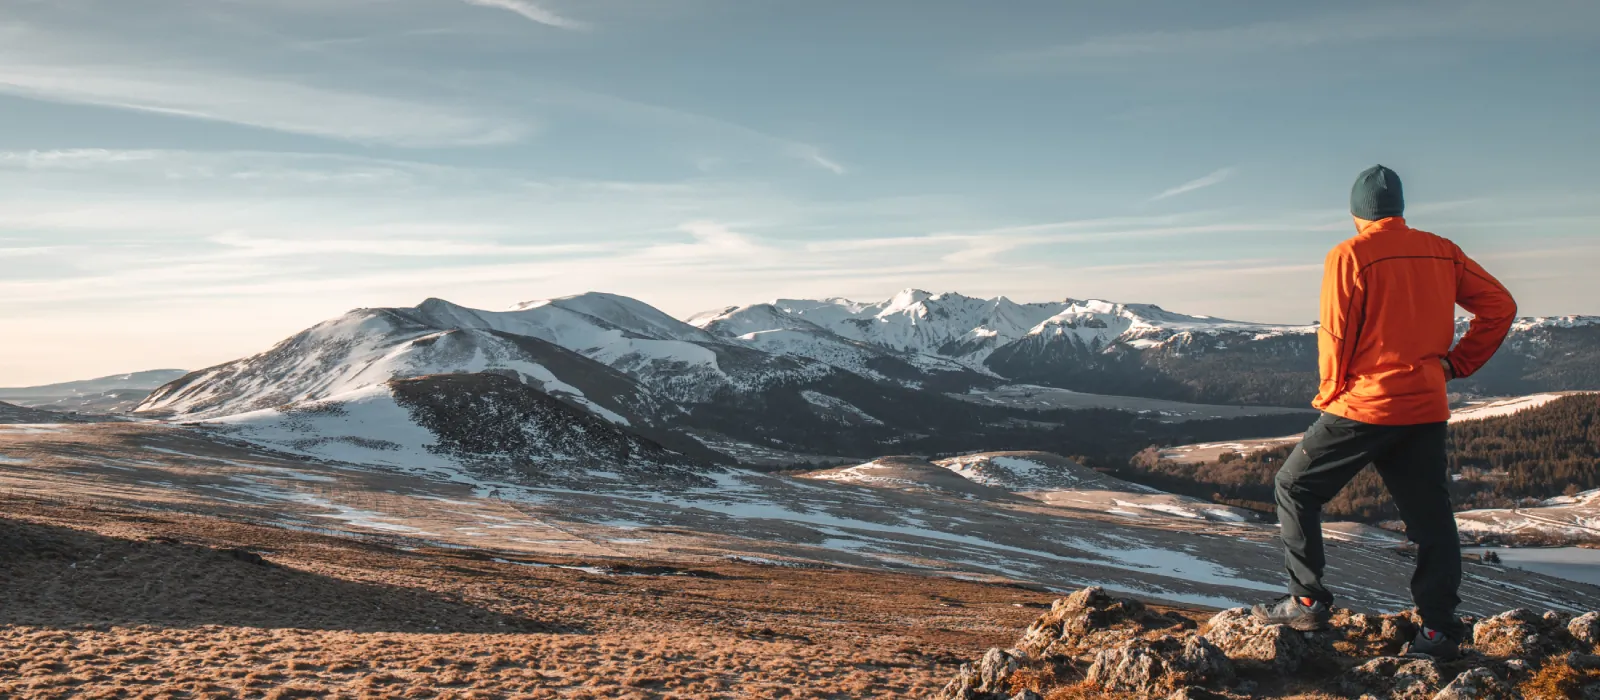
1376,194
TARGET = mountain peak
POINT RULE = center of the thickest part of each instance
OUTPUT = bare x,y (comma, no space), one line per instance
909,296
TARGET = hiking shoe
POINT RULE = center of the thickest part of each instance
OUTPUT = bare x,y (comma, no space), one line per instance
1294,612
1434,643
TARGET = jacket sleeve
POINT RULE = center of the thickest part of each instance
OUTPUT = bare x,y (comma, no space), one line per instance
1340,322
1493,311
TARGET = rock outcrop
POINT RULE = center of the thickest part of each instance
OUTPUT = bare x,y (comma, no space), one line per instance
1245,639
1092,644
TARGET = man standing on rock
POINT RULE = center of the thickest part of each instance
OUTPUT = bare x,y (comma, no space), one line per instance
1388,318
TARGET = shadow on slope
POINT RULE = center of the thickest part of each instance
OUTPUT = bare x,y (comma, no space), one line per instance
61,577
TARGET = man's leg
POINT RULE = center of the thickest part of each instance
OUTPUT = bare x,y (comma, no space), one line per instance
1332,452
1415,472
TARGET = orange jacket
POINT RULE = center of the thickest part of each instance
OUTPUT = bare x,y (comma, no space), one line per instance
1388,317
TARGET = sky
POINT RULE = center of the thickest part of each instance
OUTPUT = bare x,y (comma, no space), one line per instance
185,182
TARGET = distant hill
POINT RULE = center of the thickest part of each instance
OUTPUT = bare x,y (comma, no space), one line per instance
113,394
12,414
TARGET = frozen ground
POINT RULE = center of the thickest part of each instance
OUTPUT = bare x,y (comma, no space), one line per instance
1494,408
1114,539
1560,520
1047,398
1579,564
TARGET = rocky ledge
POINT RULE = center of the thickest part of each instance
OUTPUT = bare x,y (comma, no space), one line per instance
1093,645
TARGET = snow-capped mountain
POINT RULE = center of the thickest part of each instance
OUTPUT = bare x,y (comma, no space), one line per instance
1142,350
368,347
968,330
613,357
794,381
1091,345
914,321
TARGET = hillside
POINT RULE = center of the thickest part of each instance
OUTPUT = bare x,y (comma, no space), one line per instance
105,602
1036,476
488,425
1498,460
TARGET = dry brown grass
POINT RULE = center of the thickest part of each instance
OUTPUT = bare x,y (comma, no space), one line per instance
1082,690
1557,681
106,603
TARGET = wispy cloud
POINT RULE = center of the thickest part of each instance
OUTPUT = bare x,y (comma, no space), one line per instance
263,103
1213,178
64,67
27,251
1416,22
532,12
253,246
813,155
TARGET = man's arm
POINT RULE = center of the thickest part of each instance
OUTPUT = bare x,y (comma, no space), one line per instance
1493,311
1342,308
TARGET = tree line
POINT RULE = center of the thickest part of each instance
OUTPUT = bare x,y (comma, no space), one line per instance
1502,462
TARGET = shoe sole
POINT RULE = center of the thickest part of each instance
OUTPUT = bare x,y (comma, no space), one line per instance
1299,624
1310,625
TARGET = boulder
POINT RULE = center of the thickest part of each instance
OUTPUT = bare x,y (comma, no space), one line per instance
1149,669
1078,621
1585,628
1583,662
1476,684
1397,677
1514,633
1396,631
1027,695
981,681
1245,639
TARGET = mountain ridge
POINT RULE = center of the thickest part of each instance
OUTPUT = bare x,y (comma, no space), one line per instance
797,380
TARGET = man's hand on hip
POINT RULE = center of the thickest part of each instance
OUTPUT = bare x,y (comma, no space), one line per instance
1449,372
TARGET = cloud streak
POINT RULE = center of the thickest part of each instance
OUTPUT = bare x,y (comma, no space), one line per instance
1534,18
1213,178
532,12
814,156
66,68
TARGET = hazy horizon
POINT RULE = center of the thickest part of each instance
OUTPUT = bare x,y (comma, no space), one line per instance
182,184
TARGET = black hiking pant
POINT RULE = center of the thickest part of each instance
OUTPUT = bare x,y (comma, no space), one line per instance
1411,460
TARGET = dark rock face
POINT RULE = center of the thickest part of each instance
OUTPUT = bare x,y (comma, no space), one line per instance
500,423
1093,644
